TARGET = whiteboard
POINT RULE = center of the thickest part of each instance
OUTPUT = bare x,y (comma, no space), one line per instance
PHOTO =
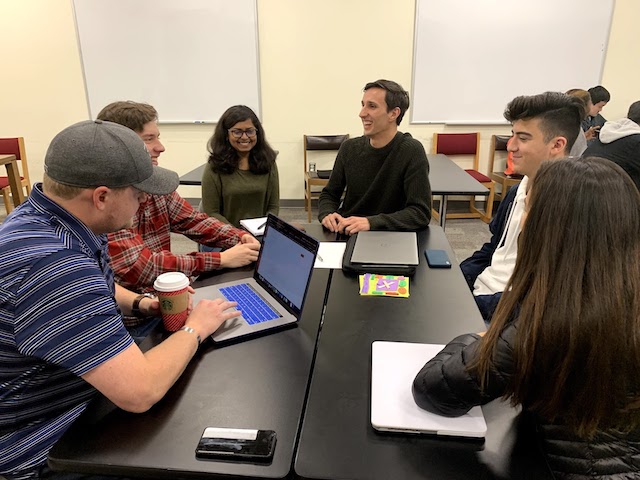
471,57
191,59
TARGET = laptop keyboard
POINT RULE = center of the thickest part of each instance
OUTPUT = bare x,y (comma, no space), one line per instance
254,309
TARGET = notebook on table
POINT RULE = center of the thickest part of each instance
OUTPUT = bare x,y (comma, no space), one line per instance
394,365
275,296
255,226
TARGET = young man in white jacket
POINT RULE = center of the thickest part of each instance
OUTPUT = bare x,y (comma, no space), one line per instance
544,128
619,142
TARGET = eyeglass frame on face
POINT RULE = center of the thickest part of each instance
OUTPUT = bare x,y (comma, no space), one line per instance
238,133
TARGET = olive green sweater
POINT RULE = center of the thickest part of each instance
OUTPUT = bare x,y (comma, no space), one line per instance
239,195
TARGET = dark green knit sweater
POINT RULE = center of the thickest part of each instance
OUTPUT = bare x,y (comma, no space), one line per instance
388,185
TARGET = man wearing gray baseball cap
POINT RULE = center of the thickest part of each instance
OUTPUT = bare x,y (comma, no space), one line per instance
61,325
119,159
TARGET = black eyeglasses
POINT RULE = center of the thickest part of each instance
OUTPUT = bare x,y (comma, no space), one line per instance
237,133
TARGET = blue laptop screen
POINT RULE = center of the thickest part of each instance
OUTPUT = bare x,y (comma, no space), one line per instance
286,263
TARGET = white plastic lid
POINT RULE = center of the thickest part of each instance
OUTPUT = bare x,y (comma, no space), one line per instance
171,281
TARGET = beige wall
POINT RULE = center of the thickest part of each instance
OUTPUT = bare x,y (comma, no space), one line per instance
314,64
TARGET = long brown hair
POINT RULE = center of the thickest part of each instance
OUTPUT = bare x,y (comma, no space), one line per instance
584,97
575,294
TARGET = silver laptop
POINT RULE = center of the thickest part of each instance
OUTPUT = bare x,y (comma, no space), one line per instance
274,297
394,365
386,248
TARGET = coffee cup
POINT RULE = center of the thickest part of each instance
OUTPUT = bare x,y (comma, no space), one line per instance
173,296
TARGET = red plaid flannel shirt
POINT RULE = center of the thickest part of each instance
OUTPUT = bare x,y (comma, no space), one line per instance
141,253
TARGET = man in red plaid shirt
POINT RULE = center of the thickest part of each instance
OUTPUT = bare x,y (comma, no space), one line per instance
141,253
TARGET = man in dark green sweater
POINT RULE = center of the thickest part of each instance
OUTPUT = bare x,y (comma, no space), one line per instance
385,172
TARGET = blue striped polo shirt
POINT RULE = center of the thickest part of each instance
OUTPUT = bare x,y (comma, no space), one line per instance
58,320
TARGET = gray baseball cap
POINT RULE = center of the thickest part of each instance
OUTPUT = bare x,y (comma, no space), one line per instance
94,153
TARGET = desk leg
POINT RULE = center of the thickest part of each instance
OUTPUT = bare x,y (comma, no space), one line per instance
15,183
442,211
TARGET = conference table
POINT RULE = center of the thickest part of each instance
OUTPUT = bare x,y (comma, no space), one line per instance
13,174
259,384
337,440
445,176
447,179
311,384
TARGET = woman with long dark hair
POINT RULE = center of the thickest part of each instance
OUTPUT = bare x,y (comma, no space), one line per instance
564,341
241,180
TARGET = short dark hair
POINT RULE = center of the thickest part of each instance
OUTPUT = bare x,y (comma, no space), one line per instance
223,158
395,96
634,112
559,114
133,115
599,94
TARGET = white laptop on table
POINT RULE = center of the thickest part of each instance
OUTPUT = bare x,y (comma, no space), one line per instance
274,297
394,365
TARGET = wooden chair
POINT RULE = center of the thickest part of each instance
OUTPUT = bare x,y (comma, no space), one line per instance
499,144
311,179
14,146
452,144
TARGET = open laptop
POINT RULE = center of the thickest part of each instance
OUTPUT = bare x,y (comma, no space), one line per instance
386,248
394,365
274,297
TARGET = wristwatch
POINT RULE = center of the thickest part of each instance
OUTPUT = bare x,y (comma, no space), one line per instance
135,307
191,330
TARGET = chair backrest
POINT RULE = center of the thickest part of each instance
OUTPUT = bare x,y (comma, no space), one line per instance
15,146
458,144
498,144
321,142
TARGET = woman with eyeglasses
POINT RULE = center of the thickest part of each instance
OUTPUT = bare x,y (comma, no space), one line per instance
564,341
241,180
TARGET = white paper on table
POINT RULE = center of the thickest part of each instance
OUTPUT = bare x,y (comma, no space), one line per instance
255,226
330,255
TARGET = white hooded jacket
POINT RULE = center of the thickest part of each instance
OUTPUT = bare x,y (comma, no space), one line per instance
619,142
612,131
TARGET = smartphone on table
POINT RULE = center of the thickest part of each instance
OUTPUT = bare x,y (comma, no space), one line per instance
437,258
236,444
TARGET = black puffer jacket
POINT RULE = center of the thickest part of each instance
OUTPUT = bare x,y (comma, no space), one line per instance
445,387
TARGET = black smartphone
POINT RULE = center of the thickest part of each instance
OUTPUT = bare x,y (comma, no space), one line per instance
236,444
437,258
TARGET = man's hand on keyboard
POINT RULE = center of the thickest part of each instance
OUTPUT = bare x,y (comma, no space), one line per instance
208,315
240,255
